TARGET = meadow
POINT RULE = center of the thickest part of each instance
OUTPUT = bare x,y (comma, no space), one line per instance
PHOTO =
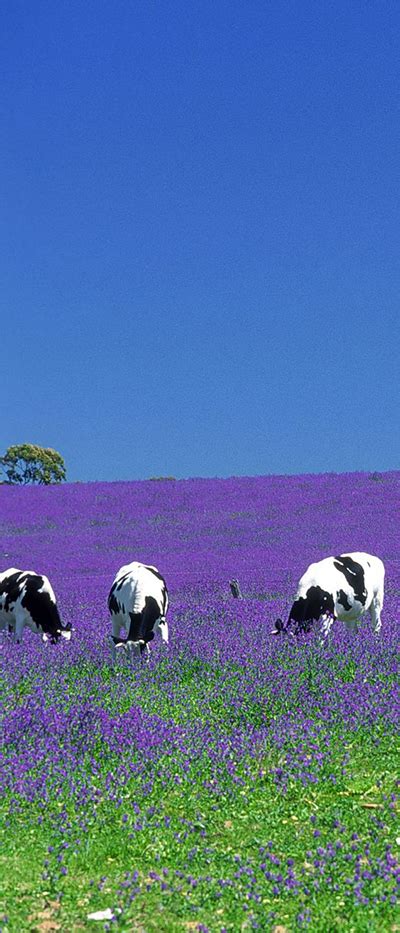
239,782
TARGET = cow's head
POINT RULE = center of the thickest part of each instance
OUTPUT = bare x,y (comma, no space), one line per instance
285,629
65,631
279,627
40,603
305,611
54,635
53,628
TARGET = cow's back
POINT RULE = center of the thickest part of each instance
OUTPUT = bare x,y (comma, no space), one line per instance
336,574
132,584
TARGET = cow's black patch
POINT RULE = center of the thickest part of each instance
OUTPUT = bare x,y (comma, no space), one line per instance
150,614
135,626
10,589
159,577
354,574
307,609
113,603
343,600
142,623
41,607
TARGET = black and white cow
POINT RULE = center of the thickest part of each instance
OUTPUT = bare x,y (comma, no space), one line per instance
27,600
138,602
342,588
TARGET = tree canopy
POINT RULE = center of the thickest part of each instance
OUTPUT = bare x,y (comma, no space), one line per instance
29,463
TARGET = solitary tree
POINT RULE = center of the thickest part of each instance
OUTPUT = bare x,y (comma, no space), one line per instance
28,463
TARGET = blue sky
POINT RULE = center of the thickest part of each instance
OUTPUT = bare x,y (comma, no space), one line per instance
200,249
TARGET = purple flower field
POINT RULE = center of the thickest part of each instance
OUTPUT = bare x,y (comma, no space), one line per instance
231,710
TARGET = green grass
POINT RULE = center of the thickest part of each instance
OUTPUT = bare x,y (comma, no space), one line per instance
217,829
204,824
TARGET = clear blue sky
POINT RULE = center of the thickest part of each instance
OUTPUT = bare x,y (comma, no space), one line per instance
200,242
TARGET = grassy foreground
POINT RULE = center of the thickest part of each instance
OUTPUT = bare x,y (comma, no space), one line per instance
180,845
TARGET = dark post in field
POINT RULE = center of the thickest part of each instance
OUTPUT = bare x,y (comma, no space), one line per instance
235,589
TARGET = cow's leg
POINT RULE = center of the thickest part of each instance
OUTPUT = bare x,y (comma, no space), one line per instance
145,652
135,626
134,639
19,626
375,613
113,651
326,625
161,626
135,648
116,624
148,622
351,625
118,650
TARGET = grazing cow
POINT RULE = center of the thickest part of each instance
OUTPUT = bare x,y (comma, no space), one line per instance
27,600
138,602
342,588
